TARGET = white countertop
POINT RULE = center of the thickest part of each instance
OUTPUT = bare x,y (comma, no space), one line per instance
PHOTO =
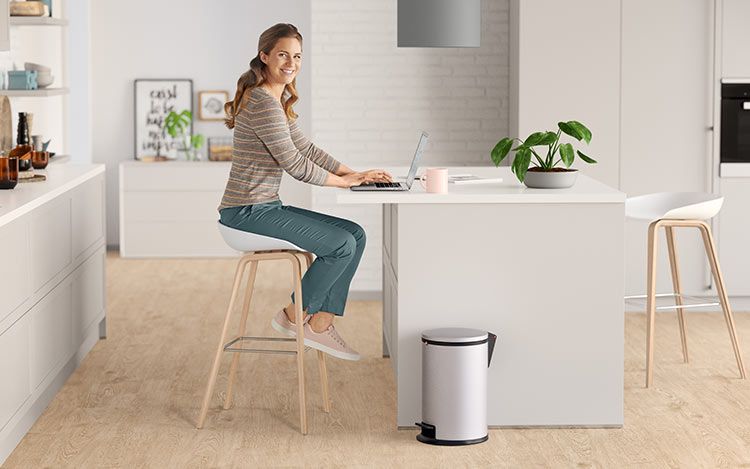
26,196
510,191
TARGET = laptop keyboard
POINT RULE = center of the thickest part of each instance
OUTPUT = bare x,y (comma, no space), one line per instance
386,184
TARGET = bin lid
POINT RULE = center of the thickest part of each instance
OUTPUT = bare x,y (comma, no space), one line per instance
454,335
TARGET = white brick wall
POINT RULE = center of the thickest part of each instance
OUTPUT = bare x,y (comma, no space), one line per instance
370,98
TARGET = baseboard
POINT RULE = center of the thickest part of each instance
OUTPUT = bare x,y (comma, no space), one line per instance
37,402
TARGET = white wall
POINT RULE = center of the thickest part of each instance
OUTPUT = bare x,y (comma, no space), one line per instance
370,98
568,68
79,73
209,42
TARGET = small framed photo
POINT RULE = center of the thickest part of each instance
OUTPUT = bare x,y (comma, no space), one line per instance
211,105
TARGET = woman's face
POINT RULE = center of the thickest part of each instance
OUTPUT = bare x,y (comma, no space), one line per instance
283,62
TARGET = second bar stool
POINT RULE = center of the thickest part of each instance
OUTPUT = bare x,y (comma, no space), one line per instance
259,248
671,210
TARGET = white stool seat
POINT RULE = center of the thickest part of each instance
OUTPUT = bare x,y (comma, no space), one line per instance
673,206
250,242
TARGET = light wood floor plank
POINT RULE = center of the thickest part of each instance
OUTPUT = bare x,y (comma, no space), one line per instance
134,400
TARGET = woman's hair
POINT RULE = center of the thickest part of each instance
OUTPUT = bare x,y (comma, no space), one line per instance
256,75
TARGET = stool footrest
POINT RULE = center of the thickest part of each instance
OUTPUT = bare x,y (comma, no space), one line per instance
640,300
228,346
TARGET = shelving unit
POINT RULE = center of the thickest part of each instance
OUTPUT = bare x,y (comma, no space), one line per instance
37,21
35,93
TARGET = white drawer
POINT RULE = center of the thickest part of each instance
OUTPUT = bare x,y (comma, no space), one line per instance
51,333
14,369
15,287
173,239
88,294
171,206
50,242
197,176
88,215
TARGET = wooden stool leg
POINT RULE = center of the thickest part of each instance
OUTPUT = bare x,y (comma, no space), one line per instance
217,359
241,331
728,317
677,289
651,301
298,317
321,360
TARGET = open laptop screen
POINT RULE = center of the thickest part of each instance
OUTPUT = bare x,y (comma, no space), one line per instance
415,161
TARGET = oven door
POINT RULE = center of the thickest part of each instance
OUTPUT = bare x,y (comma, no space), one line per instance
735,130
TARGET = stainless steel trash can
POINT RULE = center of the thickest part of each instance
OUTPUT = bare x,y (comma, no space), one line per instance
454,386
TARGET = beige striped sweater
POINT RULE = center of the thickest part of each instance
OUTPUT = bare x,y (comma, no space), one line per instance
265,144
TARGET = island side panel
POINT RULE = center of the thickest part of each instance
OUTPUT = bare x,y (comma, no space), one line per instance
546,278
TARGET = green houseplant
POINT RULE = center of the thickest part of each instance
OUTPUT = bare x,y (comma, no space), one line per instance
545,172
177,125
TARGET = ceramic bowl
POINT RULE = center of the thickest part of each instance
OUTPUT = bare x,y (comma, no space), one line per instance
37,67
44,79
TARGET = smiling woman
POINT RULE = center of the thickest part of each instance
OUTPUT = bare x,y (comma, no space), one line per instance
268,141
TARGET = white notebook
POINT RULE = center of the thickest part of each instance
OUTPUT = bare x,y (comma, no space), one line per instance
471,179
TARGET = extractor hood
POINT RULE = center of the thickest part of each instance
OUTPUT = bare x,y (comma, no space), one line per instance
439,23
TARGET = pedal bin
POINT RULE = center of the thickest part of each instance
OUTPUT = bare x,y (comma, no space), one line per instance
454,386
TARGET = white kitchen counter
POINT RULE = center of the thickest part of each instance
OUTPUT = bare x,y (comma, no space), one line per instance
53,308
27,196
541,268
509,191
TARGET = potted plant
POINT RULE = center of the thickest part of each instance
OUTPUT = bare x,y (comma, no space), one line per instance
177,126
545,172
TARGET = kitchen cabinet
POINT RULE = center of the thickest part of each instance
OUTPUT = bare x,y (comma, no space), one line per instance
53,308
732,238
735,38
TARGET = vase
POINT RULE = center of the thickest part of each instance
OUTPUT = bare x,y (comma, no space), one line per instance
557,178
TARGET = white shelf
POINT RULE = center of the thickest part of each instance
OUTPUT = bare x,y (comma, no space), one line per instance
35,93
37,21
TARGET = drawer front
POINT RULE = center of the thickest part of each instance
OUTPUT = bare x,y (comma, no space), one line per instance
14,369
88,215
50,245
174,239
171,206
88,294
15,287
51,333
163,177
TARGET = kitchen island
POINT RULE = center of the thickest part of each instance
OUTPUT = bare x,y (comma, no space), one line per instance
542,269
53,298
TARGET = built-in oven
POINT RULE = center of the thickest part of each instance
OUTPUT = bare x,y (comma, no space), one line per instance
735,122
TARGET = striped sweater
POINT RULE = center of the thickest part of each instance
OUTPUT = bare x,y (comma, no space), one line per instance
265,143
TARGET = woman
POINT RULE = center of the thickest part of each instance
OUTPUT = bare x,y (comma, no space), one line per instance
267,140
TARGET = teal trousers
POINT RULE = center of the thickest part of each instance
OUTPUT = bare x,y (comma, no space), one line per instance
337,243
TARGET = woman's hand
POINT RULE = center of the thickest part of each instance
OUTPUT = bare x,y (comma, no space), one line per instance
376,175
357,178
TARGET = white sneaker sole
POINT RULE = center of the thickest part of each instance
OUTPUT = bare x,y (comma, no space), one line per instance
281,329
332,352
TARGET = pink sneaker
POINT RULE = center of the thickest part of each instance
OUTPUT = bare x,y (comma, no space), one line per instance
283,325
330,342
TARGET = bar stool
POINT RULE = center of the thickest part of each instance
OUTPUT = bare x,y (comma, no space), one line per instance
672,210
259,248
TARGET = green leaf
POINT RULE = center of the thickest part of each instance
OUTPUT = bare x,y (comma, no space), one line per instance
197,141
501,150
535,139
585,158
566,154
521,163
549,138
570,130
581,129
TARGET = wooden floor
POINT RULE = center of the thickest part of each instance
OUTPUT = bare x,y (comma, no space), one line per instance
134,400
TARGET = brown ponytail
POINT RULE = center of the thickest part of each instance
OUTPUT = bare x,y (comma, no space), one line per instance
255,76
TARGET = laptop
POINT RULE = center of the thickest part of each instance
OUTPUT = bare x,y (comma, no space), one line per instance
399,186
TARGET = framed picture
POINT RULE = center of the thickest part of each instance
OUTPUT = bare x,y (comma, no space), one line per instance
211,105
154,99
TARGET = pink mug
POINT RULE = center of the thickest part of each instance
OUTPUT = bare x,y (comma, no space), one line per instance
436,180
